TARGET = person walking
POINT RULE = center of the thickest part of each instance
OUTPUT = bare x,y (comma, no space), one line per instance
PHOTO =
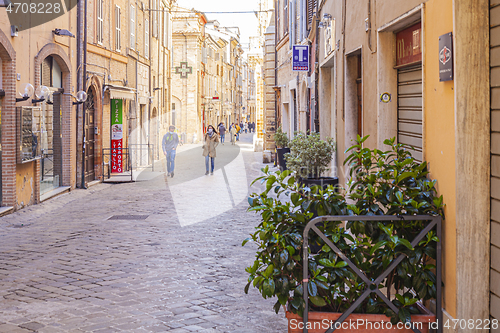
169,145
246,127
232,133
238,129
211,141
222,132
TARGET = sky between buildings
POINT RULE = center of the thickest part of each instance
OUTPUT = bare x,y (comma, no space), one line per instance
247,23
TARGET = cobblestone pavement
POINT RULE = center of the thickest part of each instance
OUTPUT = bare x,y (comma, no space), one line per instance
66,267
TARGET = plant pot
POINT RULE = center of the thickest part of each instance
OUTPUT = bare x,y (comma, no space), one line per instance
320,322
321,181
280,153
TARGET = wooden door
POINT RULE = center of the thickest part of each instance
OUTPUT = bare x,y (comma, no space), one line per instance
89,137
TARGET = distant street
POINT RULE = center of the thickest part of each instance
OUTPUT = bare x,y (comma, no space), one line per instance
158,255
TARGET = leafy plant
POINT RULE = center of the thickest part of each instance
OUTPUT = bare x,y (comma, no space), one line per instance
281,138
383,183
309,156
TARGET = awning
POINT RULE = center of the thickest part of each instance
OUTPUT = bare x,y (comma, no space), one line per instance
117,92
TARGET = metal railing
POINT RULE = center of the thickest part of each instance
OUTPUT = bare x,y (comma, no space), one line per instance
373,285
109,166
142,155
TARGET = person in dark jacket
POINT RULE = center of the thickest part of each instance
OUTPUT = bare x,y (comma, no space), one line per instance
169,145
222,132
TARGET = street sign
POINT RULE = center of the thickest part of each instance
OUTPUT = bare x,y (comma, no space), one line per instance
300,58
446,57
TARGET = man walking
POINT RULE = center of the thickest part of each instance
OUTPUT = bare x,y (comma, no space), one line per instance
169,145
222,132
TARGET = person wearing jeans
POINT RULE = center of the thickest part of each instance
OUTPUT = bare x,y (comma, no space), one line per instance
211,141
169,145
222,132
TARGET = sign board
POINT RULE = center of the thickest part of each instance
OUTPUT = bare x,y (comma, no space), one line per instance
408,45
446,57
116,135
300,58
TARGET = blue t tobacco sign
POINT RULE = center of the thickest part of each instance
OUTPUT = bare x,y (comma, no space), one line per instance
300,58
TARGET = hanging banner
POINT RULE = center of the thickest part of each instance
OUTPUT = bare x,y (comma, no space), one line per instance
116,135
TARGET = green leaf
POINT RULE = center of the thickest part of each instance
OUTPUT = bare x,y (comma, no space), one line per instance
312,289
295,198
404,315
326,248
400,298
268,287
326,262
277,307
284,257
399,196
406,243
269,271
377,246
247,287
317,300
291,250
341,264
246,241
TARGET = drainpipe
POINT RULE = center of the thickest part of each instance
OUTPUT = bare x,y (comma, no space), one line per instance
150,101
78,66
84,86
276,28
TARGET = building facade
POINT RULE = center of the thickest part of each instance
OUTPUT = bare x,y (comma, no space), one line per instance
380,69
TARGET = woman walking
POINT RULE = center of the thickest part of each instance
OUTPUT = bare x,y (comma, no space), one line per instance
232,133
211,141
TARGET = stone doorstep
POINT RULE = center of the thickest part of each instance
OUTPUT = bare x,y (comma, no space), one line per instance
54,193
6,211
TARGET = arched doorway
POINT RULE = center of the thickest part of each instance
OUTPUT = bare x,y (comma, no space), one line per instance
90,125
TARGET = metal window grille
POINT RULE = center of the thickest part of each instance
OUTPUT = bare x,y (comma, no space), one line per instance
146,38
100,21
132,27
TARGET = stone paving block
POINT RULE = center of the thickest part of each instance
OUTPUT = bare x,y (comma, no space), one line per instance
9,328
34,326
57,270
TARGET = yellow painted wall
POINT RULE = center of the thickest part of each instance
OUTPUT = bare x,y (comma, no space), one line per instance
25,180
439,135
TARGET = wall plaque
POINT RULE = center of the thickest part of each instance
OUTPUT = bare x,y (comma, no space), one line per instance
446,57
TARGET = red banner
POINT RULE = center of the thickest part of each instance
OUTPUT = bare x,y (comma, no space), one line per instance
116,136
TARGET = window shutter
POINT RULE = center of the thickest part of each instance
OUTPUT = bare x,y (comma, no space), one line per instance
132,27
146,38
117,29
165,27
311,7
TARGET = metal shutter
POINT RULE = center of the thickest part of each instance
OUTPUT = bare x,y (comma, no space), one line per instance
410,108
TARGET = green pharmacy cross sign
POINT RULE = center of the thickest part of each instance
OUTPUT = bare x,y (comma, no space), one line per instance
184,70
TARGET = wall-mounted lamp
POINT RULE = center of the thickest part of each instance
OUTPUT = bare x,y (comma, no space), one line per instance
325,20
63,32
25,91
80,97
42,93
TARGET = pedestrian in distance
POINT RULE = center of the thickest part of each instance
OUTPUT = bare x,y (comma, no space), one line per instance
238,129
232,133
211,141
222,132
169,144
246,127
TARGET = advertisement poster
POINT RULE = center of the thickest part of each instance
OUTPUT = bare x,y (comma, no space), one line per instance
116,135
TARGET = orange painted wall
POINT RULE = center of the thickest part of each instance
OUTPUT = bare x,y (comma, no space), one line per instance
439,135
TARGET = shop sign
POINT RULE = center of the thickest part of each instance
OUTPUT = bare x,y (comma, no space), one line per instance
409,45
300,58
116,135
446,57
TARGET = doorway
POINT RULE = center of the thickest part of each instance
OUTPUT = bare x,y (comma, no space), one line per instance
90,136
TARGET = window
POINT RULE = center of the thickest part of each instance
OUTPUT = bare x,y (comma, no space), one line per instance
155,18
285,17
165,27
118,30
146,38
100,14
132,27
173,114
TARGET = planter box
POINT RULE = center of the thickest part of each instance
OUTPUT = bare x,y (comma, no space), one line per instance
320,322
280,156
321,181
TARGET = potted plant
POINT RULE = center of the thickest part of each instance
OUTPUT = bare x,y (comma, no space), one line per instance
310,157
383,183
281,141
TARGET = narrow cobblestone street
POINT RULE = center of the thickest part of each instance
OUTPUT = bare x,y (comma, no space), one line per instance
114,258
